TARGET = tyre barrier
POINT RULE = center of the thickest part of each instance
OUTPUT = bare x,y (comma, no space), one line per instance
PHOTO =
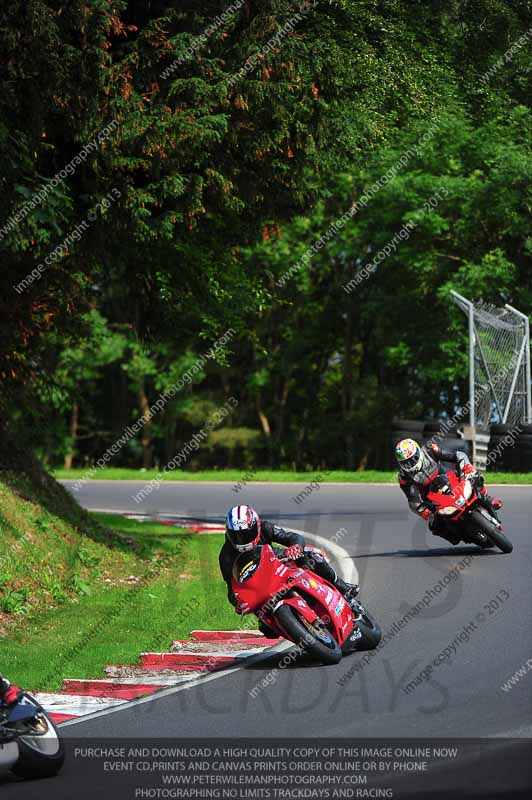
523,448
446,437
510,448
438,431
501,457
456,443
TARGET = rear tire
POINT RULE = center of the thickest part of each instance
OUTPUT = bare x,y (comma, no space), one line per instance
300,634
497,538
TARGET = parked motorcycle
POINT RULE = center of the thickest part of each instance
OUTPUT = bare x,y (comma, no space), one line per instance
460,502
29,741
302,607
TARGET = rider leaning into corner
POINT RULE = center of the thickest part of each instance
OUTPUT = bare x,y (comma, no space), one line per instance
420,465
244,531
9,694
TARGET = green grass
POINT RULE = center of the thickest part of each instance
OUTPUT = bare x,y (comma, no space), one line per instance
232,475
51,551
508,477
163,583
274,476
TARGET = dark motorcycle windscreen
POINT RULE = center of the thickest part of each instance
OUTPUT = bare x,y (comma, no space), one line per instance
441,484
246,565
22,712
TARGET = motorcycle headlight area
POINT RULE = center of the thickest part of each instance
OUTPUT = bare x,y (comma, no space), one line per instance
468,490
447,511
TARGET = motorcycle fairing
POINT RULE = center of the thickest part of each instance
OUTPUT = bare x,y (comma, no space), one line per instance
454,496
300,606
270,578
22,712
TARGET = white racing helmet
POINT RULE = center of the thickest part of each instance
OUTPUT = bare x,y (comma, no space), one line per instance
242,528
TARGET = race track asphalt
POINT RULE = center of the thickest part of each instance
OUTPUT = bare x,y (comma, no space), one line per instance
399,563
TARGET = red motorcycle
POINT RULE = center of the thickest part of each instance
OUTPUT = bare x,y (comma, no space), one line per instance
460,502
302,607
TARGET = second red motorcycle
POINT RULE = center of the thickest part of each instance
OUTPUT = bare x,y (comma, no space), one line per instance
460,503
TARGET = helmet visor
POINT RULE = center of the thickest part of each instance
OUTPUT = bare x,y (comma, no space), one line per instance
240,538
412,463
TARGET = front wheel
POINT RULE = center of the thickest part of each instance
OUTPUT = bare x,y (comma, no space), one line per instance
367,632
480,522
314,638
41,752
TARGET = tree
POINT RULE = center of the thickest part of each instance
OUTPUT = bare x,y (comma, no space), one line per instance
353,339
212,134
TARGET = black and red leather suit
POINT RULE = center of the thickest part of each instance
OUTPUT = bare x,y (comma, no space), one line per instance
416,487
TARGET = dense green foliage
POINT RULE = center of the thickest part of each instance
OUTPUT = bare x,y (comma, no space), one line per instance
207,185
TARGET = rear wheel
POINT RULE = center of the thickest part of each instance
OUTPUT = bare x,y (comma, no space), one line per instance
482,523
314,638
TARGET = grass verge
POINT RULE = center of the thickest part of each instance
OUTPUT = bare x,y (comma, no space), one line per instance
274,476
138,588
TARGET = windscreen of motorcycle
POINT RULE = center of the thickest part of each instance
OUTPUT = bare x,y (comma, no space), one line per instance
246,564
441,485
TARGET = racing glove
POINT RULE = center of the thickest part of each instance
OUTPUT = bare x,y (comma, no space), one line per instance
469,471
242,607
476,478
294,552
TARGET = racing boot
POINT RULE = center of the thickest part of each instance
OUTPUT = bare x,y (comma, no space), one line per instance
492,503
479,538
349,590
495,503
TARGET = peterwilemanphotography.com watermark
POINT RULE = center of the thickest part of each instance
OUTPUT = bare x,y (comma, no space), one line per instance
39,197
64,248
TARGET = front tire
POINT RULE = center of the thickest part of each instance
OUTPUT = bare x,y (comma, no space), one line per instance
497,538
40,756
325,649
370,630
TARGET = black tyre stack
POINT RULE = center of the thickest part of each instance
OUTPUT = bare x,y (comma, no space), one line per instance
501,458
450,439
523,449
510,450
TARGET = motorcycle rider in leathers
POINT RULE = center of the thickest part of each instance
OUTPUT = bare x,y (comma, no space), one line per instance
419,466
245,530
